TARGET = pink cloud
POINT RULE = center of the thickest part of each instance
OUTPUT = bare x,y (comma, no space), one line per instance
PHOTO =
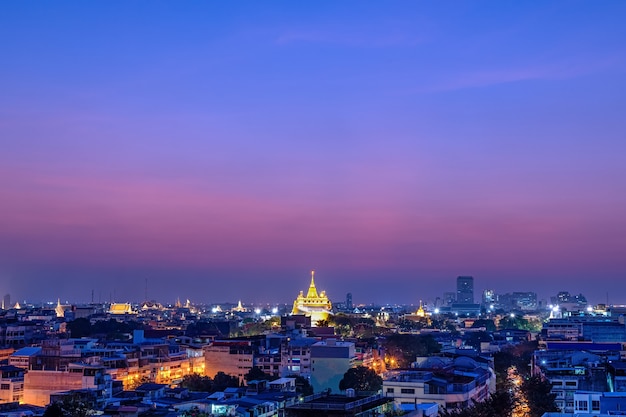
96,220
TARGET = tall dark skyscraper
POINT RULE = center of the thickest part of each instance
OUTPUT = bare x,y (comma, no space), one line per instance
465,290
349,301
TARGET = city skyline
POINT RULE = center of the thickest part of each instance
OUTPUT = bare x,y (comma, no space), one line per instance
224,151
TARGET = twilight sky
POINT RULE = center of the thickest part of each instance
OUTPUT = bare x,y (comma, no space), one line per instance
221,150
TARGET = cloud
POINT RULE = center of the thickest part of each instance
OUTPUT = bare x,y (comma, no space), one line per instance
489,77
354,38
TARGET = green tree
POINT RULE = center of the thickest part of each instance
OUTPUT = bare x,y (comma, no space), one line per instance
72,405
303,386
402,349
537,393
256,374
361,378
195,412
499,404
518,357
488,324
195,382
137,383
54,410
79,328
221,381
514,322
474,339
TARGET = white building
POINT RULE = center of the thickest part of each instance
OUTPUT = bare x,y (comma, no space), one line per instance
330,359
449,383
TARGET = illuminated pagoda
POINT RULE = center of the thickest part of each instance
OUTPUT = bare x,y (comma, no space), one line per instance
60,308
420,311
316,306
240,308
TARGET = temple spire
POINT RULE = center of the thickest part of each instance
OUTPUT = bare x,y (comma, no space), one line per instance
59,310
312,293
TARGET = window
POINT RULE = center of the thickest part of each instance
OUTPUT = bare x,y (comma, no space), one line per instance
570,383
595,405
5,386
581,405
407,390
389,390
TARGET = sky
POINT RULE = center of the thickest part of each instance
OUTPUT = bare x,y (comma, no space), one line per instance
219,151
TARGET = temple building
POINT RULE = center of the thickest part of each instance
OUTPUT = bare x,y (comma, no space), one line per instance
60,309
121,308
318,307
240,308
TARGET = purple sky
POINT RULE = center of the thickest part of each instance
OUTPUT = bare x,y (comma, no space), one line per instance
222,150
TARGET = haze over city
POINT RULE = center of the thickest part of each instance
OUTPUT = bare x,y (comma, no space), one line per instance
223,150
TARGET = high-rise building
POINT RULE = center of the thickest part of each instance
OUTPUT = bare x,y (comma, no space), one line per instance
465,290
349,301
489,297
449,298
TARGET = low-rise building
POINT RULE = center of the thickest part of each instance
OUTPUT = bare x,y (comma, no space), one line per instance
451,383
40,384
11,384
330,360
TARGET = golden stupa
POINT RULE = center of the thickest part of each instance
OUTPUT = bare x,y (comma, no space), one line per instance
420,311
316,306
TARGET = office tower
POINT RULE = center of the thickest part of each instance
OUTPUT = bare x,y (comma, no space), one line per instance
489,297
349,301
449,298
465,290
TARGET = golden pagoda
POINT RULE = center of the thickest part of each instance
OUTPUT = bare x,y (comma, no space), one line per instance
420,311
316,306
240,308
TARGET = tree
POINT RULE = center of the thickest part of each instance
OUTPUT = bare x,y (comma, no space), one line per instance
361,378
499,404
402,349
488,324
195,382
72,405
195,412
54,410
518,357
303,386
537,393
474,339
221,381
256,374
80,327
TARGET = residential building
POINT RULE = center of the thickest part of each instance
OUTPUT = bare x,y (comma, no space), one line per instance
40,384
451,383
330,359
233,357
350,405
11,384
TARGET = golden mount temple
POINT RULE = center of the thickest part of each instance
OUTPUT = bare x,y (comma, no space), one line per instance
316,306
